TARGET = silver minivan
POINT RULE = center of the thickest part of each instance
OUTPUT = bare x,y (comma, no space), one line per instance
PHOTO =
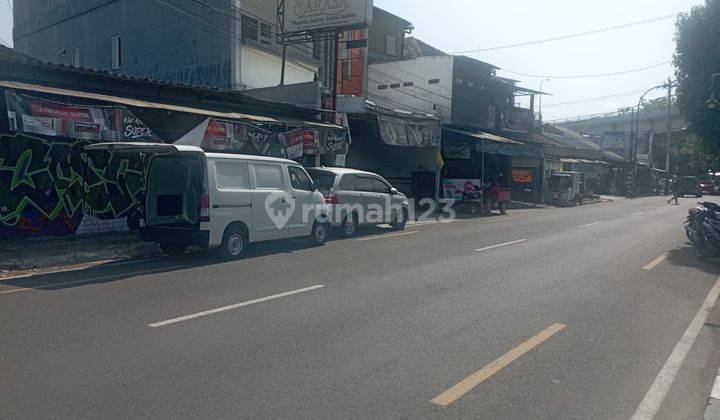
358,198
224,201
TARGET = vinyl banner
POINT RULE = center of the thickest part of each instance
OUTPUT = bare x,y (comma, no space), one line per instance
456,188
313,15
221,135
31,115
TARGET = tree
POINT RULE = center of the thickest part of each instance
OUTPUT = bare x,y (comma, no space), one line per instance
697,57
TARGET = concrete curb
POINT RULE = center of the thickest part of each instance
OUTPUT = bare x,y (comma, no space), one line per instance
712,412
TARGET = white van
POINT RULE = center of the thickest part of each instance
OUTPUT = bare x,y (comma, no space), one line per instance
224,201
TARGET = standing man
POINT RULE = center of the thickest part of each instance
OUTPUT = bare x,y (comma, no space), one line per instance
675,190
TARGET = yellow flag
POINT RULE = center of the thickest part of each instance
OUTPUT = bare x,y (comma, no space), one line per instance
439,160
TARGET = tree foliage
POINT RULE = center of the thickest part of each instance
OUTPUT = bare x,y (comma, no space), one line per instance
697,58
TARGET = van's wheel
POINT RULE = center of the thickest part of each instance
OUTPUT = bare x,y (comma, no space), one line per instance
320,233
234,243
350,225
399,220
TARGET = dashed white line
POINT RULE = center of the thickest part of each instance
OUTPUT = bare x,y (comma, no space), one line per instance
664,380
589,224
638,213
235,306
501,245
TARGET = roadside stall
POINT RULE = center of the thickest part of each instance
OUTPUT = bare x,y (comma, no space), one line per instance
477,170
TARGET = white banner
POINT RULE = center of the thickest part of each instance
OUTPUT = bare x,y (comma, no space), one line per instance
313,15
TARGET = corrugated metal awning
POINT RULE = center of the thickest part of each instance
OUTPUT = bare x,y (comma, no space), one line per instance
481,135
136,102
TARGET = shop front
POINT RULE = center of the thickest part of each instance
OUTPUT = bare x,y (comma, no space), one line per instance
401,147
475,159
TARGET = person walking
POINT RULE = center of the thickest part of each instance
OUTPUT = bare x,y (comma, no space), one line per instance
675,185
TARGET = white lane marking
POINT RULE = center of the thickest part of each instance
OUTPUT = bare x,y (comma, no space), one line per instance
660,387
94,279
392,235
638,213
231,307
715,393
589,224
499,245
654,263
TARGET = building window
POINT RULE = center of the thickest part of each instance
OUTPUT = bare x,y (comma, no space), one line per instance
459,81
433,81
382,87
70,57
390,45
250,28
265,33
408,84
394,85
115,51
317,47
470,84
347,59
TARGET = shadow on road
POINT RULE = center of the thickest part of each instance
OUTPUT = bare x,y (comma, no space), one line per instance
685,257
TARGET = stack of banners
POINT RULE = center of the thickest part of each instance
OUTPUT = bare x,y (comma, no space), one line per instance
315,142
32,115
222,135
409,132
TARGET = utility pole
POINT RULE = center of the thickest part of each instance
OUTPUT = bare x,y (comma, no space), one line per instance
667,134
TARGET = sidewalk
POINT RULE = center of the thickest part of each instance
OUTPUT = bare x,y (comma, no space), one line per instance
19,257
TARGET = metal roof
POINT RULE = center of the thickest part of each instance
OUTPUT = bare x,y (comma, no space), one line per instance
481,135
136,102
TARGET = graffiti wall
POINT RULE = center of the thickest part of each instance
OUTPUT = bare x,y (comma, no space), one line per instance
54,187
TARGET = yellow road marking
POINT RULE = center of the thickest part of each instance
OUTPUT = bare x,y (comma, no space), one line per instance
462,387
654,263
393,235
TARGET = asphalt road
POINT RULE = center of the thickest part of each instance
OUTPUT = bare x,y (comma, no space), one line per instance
574,316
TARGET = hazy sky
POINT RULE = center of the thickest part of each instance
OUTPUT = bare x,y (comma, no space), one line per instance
457,25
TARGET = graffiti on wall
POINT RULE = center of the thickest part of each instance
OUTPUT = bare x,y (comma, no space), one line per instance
47,187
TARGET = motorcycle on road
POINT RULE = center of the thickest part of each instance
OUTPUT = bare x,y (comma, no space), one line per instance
702,228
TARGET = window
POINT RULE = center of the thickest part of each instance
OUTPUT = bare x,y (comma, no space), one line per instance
470,84
268,177
70,57
324,180
116,51
346,64
433,81
395,85
408,84
347,183
265,33
317,47
364,184
390,45
232,175
382,87
459,81
249,28
299,179
380,187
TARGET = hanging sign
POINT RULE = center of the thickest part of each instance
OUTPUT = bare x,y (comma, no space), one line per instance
32,115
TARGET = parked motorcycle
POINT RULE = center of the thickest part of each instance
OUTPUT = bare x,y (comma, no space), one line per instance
702,228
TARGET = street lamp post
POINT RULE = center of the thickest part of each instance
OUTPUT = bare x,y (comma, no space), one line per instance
714,100
633,136
545,79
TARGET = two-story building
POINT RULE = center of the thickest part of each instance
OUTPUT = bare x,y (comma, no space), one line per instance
225,44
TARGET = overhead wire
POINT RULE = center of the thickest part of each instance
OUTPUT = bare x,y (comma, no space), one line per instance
569,36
